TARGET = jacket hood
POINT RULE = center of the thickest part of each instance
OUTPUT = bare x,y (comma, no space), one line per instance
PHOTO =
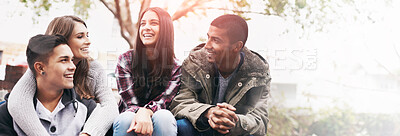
254,65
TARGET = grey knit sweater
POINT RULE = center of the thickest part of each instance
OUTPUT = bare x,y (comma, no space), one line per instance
22,110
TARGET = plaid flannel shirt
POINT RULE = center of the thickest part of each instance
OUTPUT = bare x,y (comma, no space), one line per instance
125,85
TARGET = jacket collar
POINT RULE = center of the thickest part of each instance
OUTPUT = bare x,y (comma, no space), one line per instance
253,72
68,97
254,65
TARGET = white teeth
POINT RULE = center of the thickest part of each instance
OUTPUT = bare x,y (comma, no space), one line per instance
147,35
85,49
69,76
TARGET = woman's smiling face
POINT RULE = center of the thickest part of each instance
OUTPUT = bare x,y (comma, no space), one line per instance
149,28
79,41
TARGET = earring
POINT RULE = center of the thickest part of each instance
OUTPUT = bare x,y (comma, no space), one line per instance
43,73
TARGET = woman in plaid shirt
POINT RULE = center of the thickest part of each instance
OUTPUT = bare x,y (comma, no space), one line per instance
148,78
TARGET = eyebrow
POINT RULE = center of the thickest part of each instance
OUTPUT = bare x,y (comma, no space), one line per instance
151,20
64,57
80,33
214,37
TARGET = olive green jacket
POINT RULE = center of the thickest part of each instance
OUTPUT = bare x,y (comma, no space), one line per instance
247,91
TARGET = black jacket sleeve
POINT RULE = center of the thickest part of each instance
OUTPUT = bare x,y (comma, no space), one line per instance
90,105
6,122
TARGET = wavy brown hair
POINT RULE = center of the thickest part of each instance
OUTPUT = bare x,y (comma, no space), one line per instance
148,77
64,26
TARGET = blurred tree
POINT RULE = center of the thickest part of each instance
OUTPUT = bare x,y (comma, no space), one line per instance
288,121
121,9
310,15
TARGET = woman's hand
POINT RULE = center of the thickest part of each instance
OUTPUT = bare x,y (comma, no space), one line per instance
142,123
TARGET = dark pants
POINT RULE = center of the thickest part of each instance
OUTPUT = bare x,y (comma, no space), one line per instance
185,128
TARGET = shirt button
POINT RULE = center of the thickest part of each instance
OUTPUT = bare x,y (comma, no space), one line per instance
208,76
53,129
240,84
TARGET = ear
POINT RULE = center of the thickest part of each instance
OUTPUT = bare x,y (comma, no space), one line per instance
39,67
238,46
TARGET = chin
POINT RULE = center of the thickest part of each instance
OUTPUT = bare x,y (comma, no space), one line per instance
149,43
69,86
85,55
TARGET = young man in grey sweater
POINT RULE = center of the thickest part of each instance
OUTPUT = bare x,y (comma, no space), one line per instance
59,109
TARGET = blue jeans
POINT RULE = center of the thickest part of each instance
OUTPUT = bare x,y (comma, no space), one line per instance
185,128
164,124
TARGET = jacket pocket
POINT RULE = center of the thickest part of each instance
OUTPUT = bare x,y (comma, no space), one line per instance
195,108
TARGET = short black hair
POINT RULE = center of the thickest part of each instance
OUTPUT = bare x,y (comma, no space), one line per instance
40,47
235,25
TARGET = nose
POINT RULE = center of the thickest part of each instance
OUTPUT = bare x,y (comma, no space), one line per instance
71,66
208,44
87,42
146,26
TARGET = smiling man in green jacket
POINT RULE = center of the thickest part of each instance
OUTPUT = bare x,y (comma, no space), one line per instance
225,85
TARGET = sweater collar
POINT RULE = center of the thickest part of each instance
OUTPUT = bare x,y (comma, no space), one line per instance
68,97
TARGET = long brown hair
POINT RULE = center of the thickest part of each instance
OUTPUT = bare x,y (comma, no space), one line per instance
64,26
148,77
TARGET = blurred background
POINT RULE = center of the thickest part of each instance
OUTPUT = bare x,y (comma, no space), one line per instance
335,64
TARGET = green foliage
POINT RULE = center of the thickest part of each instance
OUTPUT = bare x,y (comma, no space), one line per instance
314,15
277,6
330,122
381,124
301,3
335,122
240,5
289,121
81,7
43,6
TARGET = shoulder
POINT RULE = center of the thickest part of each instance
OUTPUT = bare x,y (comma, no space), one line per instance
125,59
95,65
126,55
6,121
3,111
197,53
96,70
196,59
255,63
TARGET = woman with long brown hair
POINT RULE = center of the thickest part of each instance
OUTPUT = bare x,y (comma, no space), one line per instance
89,80
148,78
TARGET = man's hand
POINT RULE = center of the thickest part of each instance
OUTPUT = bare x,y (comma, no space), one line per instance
142,123
222,118
227,106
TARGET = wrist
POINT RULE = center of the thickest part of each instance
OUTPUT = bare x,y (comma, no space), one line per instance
146,110
209,112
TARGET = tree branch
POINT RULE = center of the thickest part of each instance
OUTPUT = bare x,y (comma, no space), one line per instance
184,8
240,11
129,19
109,6
123,30
395,49
145,4
381,65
